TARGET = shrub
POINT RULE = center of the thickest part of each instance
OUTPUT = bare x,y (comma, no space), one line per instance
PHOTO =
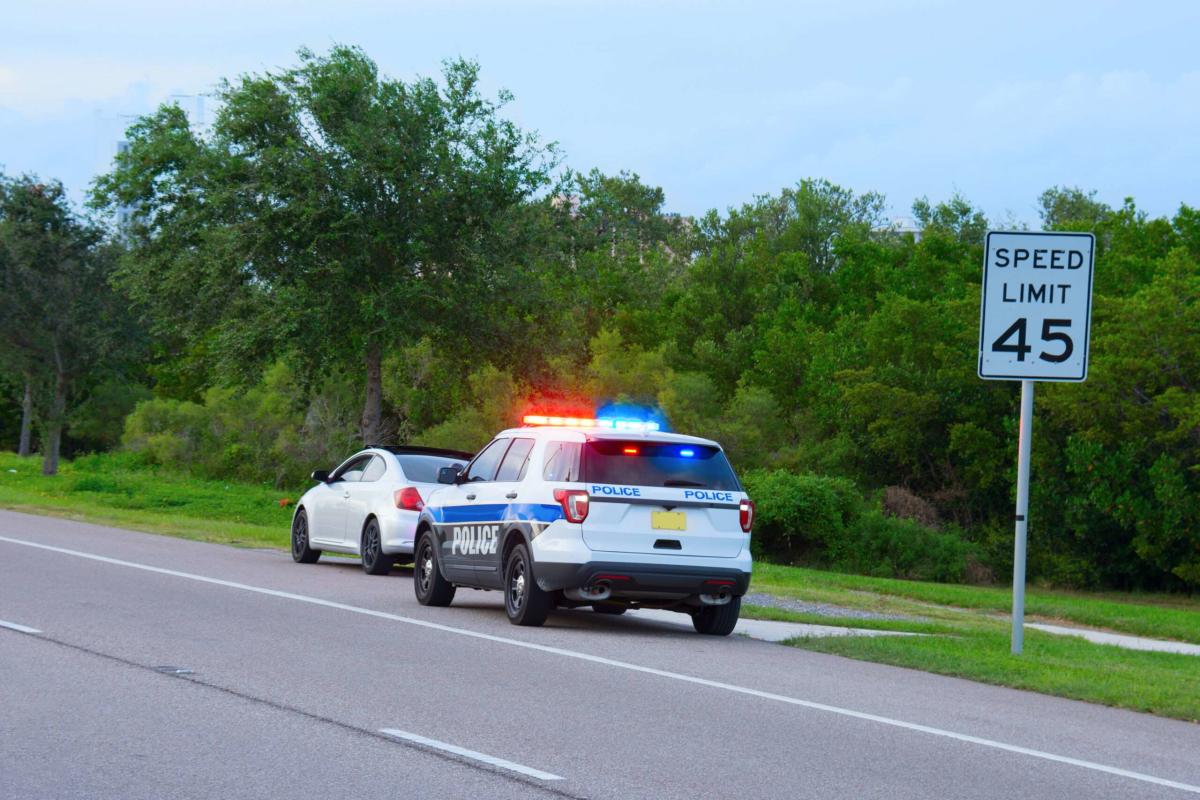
892,547
800,517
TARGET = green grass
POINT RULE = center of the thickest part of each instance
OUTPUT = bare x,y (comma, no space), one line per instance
1159,616
118,489
1160,683
966,634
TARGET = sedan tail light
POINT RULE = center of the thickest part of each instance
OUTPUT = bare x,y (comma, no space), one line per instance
746,514
574,503
409,499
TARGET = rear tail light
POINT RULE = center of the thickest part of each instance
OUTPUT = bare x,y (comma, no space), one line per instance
574,503
409,499
746,514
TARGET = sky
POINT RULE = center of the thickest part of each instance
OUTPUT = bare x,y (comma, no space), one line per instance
714,102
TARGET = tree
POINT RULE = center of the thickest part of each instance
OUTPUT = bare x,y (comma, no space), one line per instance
331,214
61,321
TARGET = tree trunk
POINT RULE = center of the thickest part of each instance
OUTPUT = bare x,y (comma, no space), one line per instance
54,425
25,444
372,416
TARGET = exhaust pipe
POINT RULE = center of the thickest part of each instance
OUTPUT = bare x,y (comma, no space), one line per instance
595,593
720,599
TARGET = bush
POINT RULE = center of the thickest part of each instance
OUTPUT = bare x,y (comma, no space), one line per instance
800,517
824,522
263,434
892,547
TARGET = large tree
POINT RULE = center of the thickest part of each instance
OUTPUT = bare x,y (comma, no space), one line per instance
60,322
331,213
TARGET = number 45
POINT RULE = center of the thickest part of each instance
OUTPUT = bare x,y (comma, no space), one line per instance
1017,329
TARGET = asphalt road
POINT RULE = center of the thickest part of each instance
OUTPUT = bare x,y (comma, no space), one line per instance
294,671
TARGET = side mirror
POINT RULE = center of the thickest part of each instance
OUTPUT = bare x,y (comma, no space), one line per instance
449,475
321,475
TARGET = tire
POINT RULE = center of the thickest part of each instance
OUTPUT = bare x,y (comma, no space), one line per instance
428,584
717,620
301,552
608,608
525,603
374,560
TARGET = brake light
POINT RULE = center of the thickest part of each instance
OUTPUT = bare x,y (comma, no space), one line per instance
574,503
630,451
409,499
746,514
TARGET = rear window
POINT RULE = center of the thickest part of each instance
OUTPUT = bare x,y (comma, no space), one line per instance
424,469
658,464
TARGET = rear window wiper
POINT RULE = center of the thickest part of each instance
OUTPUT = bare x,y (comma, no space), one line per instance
681,484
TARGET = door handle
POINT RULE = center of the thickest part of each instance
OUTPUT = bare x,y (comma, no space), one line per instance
346,495
511,495
470,497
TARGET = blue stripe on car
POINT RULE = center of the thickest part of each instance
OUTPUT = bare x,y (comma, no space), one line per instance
523,512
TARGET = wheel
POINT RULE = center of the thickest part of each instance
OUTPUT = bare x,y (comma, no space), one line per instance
374,560
301,552
717,620
525,603
428,584
608,608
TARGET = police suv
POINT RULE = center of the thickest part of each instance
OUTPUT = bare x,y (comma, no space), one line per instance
611,514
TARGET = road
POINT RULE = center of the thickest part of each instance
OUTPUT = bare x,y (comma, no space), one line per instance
291,674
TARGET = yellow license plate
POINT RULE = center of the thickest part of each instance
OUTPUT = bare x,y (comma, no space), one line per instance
668,520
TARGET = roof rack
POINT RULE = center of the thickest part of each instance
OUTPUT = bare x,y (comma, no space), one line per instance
399,449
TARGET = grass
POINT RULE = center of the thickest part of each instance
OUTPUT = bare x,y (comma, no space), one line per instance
967,632
117,489
1158,616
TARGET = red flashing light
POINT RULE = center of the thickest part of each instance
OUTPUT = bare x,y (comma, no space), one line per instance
630,451
409,499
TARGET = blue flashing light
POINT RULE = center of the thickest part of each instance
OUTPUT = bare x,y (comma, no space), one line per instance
687,453
627,424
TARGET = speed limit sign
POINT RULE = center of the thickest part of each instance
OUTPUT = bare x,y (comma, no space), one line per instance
1035,321
1035,324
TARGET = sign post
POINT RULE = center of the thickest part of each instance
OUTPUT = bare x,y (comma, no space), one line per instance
1035,324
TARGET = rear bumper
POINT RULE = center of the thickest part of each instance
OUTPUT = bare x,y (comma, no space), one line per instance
650,579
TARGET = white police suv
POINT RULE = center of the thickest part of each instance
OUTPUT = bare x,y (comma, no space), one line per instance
608,513
369,505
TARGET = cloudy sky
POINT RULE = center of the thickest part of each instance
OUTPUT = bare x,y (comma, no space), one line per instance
715,102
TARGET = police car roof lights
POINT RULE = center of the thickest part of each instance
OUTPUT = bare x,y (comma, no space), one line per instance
606,423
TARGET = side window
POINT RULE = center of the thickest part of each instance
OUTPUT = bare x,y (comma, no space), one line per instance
562,461
354,470
374,470
484,465
512,468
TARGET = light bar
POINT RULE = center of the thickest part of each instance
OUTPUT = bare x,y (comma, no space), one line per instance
584,422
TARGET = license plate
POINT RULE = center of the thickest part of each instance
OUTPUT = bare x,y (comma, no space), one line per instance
668,520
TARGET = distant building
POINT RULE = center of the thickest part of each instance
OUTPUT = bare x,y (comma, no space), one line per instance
900,226
124,213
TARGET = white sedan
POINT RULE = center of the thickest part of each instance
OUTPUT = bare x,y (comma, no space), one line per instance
369,505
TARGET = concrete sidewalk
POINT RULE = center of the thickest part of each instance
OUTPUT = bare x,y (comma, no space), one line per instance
1119,639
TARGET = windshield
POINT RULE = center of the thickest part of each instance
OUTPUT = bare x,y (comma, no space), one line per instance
658,464
424,469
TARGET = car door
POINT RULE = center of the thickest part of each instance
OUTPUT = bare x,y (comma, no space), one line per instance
463,514
497,501
328,525
360,498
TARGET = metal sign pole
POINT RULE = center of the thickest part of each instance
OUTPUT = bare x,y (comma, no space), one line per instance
1025,439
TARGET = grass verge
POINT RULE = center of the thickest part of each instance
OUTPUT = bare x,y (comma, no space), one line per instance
117,489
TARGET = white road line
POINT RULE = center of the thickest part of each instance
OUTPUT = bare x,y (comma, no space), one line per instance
12,626
465,753
678,676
